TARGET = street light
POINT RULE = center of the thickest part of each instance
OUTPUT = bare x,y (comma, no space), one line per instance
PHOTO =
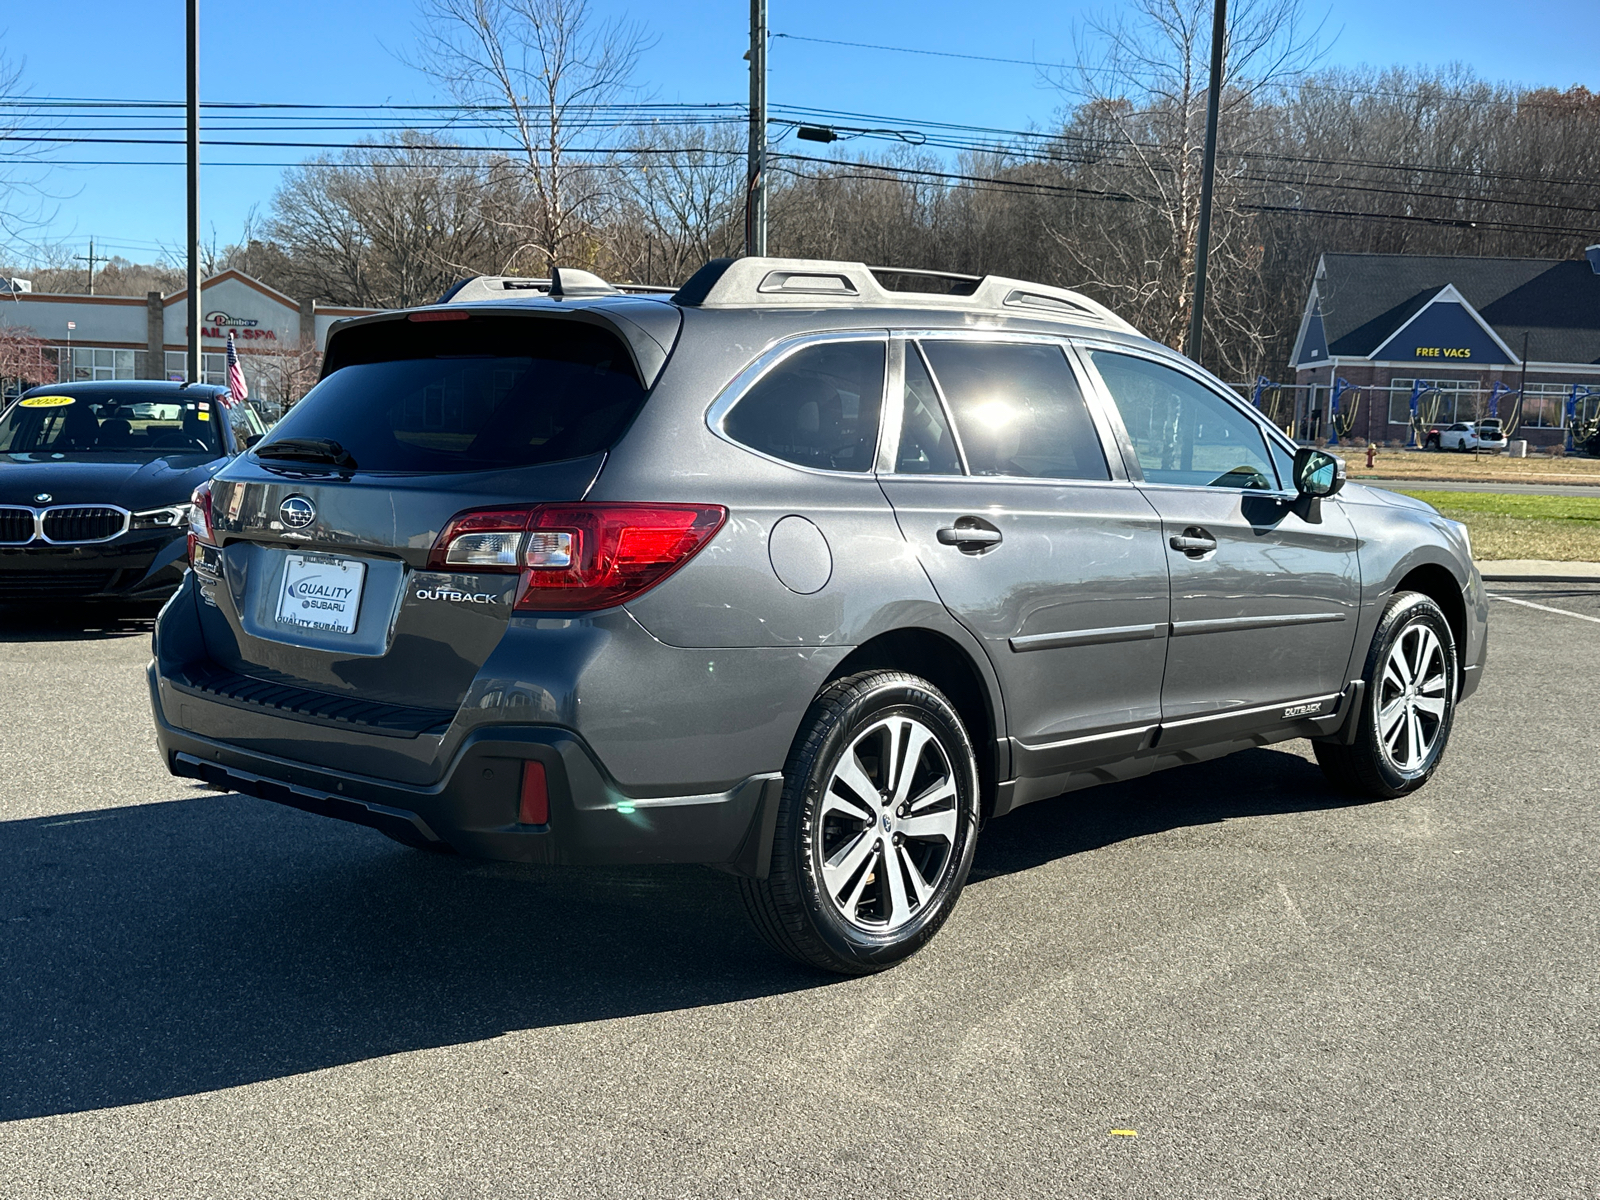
72,369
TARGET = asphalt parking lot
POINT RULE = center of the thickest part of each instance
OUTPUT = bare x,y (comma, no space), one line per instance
1281,992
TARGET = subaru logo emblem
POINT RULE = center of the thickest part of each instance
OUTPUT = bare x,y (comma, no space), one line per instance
297,512
887,824
43,498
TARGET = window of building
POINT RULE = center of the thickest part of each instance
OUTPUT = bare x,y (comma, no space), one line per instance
1442,401
84,364
1544,406
213,368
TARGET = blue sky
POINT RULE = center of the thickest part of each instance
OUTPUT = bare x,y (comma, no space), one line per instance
347,51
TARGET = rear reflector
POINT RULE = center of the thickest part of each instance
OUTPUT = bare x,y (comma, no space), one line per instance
535,806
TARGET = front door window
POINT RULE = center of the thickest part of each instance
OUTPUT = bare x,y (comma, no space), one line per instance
1182,432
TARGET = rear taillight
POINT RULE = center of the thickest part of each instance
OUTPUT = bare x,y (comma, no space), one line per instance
578,557
200,518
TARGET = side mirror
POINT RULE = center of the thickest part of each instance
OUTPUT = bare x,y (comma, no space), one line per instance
253,439
1316,473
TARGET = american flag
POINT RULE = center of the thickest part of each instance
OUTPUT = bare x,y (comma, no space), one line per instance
237,388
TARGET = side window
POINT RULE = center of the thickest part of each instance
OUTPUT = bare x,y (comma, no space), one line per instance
926,446
817,408
1018,409
1183,432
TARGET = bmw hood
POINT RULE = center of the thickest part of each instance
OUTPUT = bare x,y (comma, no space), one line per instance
132,483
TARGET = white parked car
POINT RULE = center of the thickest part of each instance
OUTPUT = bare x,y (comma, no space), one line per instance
1467,435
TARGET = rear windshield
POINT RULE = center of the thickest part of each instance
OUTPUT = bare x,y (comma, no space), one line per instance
479,394
87,423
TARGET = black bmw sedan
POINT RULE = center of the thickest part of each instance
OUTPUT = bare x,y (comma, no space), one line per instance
95,480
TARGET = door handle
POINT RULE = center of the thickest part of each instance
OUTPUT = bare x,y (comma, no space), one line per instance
968,535
1193,541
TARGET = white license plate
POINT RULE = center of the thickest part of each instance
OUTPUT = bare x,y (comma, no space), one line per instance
321,592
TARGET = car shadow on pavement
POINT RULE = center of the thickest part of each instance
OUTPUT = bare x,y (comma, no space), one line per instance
75,622
182,947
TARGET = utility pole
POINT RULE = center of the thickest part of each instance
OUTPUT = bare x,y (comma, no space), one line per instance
193,24
91,260
755,220
1522,382
1219,37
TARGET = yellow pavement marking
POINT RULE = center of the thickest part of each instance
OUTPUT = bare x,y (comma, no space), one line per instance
1124,1133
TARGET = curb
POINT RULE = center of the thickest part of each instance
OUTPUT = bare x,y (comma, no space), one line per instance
1528,570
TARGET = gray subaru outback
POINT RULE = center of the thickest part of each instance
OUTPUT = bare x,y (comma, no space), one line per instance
804,571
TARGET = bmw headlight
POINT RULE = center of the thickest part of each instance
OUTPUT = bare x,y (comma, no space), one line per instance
174,517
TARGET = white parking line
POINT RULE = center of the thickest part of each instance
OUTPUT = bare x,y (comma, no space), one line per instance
1543,607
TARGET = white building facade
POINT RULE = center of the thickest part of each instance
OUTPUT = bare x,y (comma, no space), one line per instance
280,339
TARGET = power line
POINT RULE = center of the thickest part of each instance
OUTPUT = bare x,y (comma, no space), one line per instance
1022,62
1517,99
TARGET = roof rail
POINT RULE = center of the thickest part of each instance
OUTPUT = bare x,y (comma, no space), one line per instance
563,283
767,282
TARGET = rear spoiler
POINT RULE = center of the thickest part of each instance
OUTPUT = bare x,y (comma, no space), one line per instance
648,328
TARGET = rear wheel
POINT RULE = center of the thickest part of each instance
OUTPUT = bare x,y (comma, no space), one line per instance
1407,707
876,826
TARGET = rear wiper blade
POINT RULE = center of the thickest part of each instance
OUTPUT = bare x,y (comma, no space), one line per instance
308,449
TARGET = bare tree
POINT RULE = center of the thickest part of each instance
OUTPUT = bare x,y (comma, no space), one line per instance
1135,143
548,68
24,360
24,203
681,192
382,225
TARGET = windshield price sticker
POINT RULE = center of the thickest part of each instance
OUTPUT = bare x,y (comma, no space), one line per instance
47,401
321,592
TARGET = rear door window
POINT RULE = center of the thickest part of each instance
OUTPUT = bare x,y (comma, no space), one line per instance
818,408
1018,409
485,393
926,445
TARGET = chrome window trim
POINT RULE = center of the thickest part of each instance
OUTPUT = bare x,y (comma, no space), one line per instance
739,386
39,515
1199,375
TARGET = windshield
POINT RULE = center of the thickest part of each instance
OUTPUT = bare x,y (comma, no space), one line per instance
100,424
472,394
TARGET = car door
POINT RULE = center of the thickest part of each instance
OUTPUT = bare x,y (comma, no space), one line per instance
1034,538
1264,600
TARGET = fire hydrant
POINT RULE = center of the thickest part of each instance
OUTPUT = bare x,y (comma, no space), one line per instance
1372,453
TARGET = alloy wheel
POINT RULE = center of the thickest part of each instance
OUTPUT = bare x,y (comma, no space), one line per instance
887,824
1412,697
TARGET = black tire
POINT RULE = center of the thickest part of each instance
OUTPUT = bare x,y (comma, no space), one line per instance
1373,765
873,716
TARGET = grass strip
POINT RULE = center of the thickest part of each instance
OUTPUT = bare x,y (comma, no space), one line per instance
1553,528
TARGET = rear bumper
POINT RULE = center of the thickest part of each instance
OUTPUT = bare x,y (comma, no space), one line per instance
473,807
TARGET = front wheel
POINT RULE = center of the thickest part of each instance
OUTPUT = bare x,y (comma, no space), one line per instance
1407,707
876,826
